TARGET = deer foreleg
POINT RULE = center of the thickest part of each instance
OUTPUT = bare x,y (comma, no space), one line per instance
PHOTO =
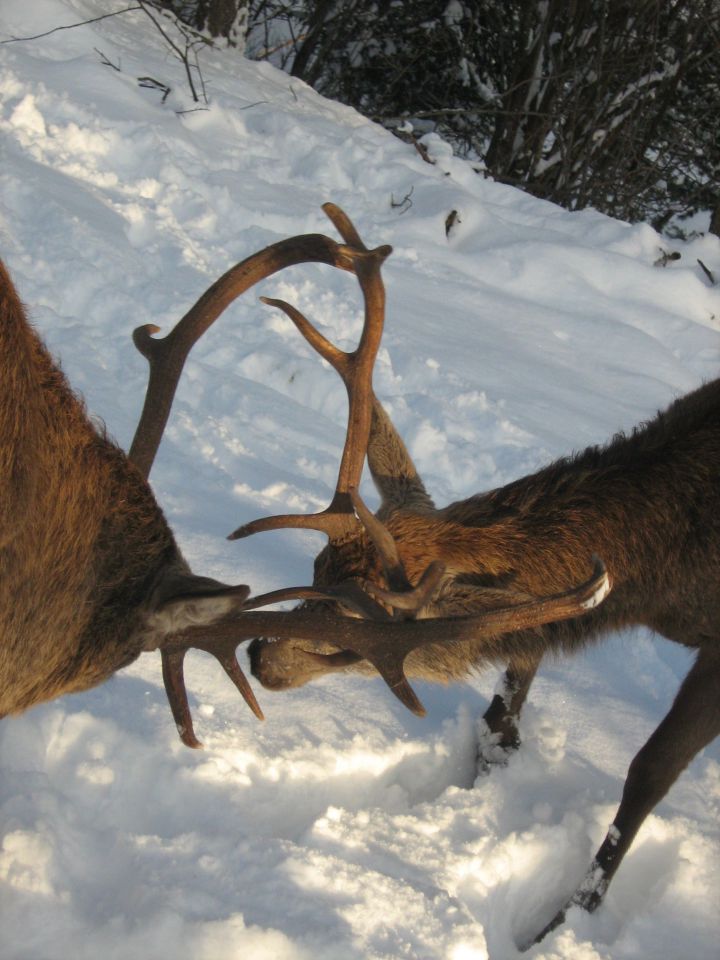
499,734
692,723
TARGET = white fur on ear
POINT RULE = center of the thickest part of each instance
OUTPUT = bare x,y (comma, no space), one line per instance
177,615
181,600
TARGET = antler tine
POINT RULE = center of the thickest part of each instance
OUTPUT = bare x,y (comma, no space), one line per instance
167,355
174,680
355,368
384,543
386,547
328,351
382,641
351,593
411,599
344,225
329,521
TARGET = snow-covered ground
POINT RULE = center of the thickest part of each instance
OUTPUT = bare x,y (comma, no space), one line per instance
342,828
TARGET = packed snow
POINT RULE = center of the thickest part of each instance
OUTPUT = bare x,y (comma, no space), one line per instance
343,827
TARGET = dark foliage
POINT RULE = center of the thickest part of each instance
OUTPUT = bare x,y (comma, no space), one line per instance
593,102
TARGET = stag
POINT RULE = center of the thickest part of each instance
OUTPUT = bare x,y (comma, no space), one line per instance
90,573
648,503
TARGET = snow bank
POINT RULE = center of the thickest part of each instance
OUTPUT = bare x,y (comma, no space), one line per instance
343,828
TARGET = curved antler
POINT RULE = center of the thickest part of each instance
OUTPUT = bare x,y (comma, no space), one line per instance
167,355
338,519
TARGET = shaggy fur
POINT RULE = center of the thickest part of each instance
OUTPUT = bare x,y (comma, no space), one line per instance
648,504
84,548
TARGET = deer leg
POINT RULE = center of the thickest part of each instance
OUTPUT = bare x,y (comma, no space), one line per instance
501,735
692,723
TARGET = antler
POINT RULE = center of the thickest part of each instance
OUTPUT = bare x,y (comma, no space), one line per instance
167,357
338,519
381,640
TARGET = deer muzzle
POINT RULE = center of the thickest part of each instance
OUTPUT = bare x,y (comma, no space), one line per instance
283,665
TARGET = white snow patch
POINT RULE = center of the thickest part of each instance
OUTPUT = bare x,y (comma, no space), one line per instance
342,828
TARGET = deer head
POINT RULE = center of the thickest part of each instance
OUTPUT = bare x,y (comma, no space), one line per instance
404,571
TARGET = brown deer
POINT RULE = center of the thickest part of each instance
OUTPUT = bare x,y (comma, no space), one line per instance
90,574
648,503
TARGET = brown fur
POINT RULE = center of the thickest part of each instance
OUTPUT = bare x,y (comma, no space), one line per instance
84,547
648,504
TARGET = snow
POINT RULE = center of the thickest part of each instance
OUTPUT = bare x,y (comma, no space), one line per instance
343,828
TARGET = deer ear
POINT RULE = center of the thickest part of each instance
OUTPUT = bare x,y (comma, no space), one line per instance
393,471
176,586
181,599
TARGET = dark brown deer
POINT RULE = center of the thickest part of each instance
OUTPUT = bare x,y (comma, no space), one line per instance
90,574
647,503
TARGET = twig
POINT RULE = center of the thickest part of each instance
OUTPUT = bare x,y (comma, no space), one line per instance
106,62
423,151
708,273
153,84
405,203
192,40
201,78
411,138
182,55
71,26
666,257
266,53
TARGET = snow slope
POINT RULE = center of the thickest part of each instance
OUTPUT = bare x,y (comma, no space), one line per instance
342,828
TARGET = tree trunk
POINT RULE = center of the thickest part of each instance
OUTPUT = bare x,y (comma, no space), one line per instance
224,18
715,220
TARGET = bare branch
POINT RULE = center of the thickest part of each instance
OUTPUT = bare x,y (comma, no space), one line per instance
72,26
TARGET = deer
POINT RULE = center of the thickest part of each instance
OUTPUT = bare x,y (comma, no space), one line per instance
91,575
647,503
